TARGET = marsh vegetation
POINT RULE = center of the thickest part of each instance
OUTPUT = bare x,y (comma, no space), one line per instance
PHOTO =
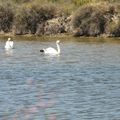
74,17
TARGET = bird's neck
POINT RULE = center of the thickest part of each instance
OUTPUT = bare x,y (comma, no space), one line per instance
58,48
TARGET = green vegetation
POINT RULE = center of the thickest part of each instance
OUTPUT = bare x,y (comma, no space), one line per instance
96,19
89,17
6,18
28,19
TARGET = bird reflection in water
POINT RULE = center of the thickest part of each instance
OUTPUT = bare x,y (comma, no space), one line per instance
9,52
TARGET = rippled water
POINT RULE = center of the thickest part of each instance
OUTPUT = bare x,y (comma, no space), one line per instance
83,83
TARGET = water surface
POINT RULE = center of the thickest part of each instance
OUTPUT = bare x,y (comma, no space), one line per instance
83,83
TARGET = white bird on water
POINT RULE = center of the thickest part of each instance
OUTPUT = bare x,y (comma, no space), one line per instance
52,51
9,44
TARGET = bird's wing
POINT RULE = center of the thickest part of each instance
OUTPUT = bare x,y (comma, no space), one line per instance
11,44
50,50
7,44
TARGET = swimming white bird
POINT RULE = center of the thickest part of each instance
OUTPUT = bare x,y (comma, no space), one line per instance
52,51
9,44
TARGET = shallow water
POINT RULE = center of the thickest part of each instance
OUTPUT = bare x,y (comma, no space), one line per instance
83,83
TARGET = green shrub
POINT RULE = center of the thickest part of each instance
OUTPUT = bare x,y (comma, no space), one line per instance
91,20
27,19
113,28
6,18
81,2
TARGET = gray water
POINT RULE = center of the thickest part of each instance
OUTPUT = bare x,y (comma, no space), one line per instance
83,83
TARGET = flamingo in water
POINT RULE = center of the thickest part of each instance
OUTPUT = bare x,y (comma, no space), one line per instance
52,51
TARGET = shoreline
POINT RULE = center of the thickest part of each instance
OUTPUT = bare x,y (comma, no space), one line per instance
60,35
63,38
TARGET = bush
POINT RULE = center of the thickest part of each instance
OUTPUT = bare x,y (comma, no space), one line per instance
6,18
92,20
113,28
89,20
27,19
81,2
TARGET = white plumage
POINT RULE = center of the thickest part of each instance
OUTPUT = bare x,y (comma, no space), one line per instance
9,44
52,51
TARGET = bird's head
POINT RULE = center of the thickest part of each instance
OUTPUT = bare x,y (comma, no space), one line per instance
58,41
9,39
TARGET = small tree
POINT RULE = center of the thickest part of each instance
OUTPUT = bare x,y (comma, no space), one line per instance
6,18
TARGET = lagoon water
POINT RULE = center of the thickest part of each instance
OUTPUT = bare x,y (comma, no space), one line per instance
83,83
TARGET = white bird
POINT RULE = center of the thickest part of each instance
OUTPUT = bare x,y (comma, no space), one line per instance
52,51
9,44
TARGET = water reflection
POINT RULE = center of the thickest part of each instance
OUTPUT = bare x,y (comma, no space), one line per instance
9,52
